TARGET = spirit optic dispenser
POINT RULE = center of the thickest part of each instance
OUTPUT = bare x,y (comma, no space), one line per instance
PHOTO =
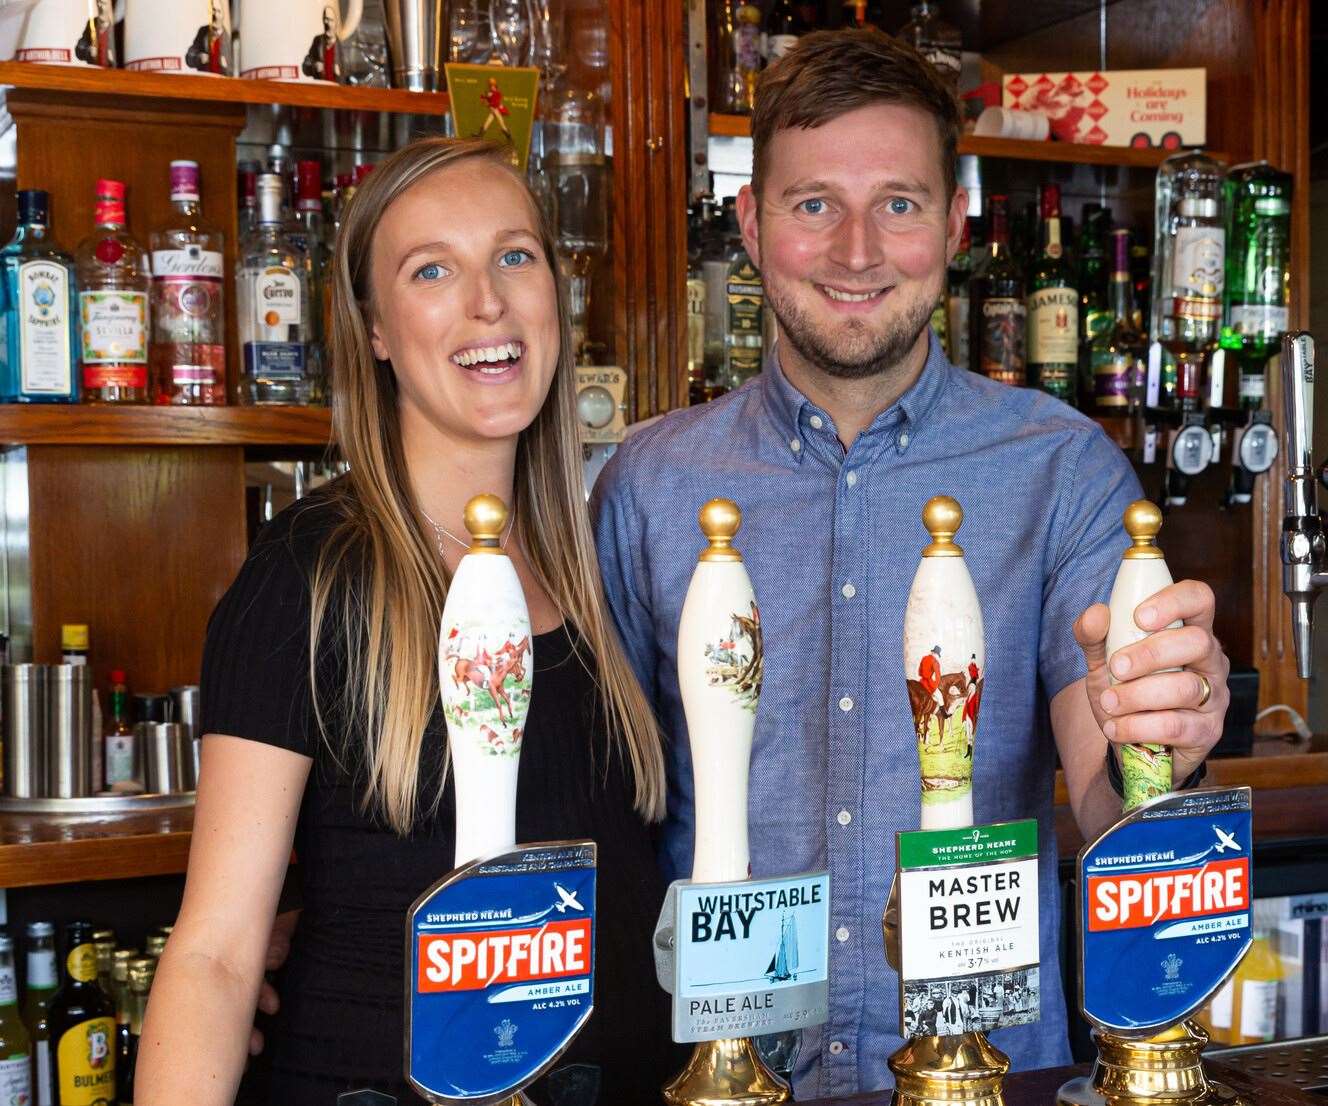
720,663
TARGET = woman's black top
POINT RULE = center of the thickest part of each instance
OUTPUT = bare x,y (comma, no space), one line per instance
340,1025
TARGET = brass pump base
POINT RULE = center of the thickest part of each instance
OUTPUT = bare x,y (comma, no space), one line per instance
963,1068
728,1071
1163,1070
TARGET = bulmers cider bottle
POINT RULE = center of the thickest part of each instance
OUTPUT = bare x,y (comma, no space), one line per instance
82,1024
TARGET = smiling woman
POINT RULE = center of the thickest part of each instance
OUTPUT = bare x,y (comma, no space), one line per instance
452,376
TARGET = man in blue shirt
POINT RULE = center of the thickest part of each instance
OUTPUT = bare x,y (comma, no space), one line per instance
831,452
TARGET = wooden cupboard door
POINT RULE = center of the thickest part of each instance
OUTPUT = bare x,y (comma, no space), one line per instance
139,543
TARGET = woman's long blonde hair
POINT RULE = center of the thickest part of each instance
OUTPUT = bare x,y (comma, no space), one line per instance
379,584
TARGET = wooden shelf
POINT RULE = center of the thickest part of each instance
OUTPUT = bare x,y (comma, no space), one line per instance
89,424
231,90
42,849
1011,149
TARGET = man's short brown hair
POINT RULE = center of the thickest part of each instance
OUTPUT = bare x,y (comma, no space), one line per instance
830,73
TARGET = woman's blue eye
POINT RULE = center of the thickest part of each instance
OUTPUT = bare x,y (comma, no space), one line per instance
812,206
430,271
900,206
514,257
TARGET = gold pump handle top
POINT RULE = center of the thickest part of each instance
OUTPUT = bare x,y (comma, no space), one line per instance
486,519
1143,519
942,516
720,519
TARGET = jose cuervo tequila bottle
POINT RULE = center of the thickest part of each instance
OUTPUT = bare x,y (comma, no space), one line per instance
274,306
39,311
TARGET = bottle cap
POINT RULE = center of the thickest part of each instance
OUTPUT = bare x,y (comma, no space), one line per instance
73,636
246,177
345,180
271,192
110,205
117,676
184,182
1050,197
1120,250
310,191
41,929
141,972
34,207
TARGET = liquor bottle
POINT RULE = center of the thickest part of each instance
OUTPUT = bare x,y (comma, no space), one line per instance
119,756
997,312
743,61
937,41
1116,354
956,299
103,946
273,307
1258,278
744,295
696,304
39,310
43,979
123,1020
113,287
721,225
82,1020
188,312
246,187
141,972
15,1044
1094,308
1188,266
1256,979
786,22
311,236
1053,307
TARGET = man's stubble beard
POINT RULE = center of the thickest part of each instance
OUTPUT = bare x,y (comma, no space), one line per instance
871,354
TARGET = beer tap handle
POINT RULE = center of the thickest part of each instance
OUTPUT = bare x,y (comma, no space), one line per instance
485,667
1303,548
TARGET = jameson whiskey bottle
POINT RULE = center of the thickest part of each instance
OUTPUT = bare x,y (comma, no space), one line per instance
997,313
1116,355
43,978
82,1020
1053,307
15,1046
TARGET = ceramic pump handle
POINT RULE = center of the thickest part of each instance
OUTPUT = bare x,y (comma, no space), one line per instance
945,667
1143,572
720,659
484,677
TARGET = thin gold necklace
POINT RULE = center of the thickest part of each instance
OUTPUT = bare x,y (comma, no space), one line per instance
441,532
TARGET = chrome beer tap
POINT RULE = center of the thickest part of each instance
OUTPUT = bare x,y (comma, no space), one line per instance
1304,550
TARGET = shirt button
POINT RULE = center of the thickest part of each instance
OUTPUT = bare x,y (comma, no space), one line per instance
816,422
851,479
836,1047
795,445
846,704
903,441
844,817
848,591
841,934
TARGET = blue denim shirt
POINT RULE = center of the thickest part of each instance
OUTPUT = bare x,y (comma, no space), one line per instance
831,540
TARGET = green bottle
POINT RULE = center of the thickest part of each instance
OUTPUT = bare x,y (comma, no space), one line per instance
1053,308
1095,316
15,1044
43,978
1116,354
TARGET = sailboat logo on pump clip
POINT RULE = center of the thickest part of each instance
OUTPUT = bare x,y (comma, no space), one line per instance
784,964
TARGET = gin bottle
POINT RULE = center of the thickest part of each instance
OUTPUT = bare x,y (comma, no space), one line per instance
310,235
113,286
39,311
188,311
273,307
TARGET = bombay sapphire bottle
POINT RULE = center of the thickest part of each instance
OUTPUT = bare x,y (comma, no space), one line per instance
38,312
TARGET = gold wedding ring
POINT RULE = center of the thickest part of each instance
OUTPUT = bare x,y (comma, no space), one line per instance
1207,690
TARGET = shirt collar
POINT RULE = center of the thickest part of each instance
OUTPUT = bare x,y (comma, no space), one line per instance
791,411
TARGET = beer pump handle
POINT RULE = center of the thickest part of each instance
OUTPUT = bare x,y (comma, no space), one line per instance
1298,395
720,661
1146,769
945,665
484,679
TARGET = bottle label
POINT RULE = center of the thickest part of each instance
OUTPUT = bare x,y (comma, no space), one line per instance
1251,388
8,992
86,1063
119,759
115,329
1222,1005
274,360
1196,272
958,321
1259,319
1097,321
779,45
1053,326
81,963
1114,376
206,364
1258,1009
46,363
41,970
45,1097
276,300
190,263
746,294
16,1081
1002,354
